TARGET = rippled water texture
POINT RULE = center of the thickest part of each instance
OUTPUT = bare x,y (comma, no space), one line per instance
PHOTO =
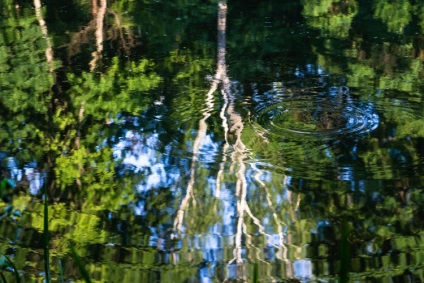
327,115
212,141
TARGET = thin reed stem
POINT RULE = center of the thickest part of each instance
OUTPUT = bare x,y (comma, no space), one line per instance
46,236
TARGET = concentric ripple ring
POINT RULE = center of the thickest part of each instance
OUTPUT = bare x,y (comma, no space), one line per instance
318,119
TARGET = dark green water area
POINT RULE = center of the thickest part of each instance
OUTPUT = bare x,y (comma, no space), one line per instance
212,141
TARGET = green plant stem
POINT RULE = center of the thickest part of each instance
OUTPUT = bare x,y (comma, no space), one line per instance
15,270
59,261
3,279
46,237
344,253
255,272
81,267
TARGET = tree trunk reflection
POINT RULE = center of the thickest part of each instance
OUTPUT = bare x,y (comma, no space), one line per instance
42,23
99,15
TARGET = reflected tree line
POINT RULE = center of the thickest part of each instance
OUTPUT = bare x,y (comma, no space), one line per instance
87,85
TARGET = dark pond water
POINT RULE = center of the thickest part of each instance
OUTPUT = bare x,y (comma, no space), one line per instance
204,141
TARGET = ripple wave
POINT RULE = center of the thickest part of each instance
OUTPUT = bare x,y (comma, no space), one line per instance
316,117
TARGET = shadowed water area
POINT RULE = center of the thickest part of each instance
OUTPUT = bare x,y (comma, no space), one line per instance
212,141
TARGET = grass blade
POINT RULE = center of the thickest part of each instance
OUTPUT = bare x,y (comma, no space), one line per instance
15,270
255,272
59,262
46,236
3,279
344,253
81,267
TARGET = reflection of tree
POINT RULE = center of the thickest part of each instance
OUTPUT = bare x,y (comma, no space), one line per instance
396,14
79,141
219,77
201,134
233,125
116,30
390,69
68,129
283,254
25,82
332,17
42,23
99,17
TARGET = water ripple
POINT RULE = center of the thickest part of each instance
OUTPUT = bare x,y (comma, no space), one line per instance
315,116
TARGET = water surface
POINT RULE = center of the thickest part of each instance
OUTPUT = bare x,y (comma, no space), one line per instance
214,142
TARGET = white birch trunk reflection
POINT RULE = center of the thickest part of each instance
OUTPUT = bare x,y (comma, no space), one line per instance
232,123
99,13
201,134
44,31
